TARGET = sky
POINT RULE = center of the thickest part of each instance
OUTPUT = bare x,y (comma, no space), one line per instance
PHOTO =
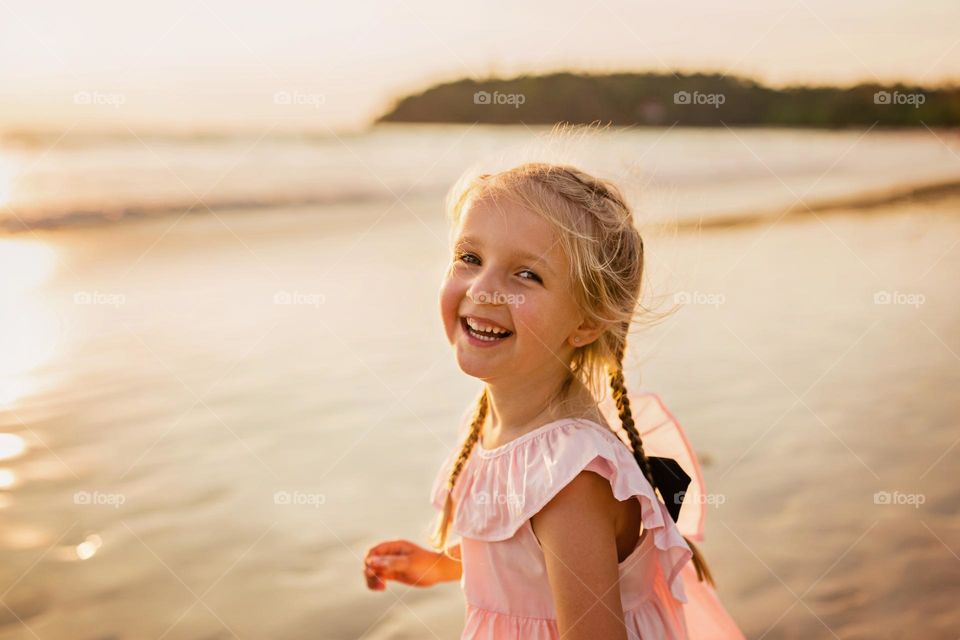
214,64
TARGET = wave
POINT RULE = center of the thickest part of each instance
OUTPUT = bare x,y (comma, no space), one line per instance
90,217
863,201
87,216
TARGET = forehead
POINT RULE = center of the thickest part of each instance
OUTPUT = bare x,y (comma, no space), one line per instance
509,225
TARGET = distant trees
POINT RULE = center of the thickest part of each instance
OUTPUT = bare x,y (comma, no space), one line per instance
664,99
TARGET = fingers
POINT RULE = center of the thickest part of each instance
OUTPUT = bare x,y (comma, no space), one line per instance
392,547
387,560
374,583
388,564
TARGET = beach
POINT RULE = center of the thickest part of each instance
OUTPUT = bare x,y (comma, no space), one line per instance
213,413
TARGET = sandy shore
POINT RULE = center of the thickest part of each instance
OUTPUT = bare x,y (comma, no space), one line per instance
199,394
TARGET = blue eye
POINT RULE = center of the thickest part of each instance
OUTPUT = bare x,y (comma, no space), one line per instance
467,257
532,276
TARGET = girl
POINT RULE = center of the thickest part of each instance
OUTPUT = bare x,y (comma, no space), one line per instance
561,531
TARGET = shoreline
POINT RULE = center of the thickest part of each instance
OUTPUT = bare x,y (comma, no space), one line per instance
858,202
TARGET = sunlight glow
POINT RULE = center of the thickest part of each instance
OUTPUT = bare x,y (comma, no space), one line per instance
28,329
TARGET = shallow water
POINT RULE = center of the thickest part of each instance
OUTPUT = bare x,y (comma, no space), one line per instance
218,417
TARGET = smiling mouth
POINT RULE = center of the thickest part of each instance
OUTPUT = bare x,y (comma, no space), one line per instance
482,331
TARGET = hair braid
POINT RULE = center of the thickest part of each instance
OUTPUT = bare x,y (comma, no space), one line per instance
619,391
439,538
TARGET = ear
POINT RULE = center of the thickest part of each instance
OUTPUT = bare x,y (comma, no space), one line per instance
588,332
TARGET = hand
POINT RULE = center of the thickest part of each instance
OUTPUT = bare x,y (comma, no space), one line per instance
405,562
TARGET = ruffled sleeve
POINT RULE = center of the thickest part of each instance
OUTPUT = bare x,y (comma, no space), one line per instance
500,489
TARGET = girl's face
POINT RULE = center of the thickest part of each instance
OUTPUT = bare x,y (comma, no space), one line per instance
506,299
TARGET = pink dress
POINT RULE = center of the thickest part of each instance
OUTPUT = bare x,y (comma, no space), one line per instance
504,578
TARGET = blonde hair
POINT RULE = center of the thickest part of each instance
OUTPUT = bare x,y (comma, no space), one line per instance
597,234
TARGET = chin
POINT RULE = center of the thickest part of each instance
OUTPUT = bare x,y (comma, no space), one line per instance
474,368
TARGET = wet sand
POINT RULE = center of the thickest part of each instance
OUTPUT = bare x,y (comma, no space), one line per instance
248,355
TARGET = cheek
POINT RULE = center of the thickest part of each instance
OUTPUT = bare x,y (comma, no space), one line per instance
547,323
452,292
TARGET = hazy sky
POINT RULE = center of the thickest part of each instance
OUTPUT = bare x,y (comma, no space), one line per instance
202,63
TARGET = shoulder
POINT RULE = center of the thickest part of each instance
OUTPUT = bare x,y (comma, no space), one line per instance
584,506
499,489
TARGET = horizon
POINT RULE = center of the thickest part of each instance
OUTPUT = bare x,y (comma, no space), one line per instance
209,67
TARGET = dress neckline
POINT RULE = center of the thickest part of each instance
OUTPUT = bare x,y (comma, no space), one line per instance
487,453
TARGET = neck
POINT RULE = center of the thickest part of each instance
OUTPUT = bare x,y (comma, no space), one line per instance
520,404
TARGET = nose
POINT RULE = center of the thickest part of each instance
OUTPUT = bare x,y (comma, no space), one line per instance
485,288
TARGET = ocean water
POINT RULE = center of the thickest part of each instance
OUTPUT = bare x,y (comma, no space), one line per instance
670,173
206,419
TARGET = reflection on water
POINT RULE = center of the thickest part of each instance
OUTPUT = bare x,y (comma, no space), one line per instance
7,172
11,446
28,328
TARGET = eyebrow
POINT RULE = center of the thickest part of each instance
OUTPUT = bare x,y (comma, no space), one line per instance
524,255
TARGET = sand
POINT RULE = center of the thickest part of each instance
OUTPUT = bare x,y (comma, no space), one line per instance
198,395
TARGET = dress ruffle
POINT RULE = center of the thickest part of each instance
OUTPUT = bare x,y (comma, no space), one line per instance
500,489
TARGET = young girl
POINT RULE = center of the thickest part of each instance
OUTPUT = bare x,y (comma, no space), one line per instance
561,531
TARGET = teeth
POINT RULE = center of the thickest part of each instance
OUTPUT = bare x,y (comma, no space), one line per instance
476,326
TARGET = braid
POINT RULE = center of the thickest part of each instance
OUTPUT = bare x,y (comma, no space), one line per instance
619,391
439,538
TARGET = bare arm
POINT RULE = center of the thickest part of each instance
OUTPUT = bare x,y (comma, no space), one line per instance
451,570
409,563
577,530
